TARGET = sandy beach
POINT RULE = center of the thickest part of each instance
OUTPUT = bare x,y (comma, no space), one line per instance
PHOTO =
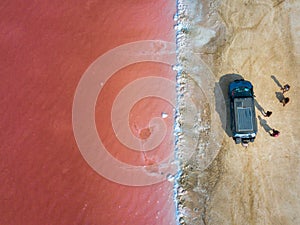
258,184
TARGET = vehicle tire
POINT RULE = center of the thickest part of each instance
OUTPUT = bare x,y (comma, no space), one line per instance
251,139
238,140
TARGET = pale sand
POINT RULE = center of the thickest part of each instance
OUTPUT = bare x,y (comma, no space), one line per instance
259,184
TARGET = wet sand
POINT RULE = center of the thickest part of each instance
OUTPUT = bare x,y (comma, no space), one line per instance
258,184
45,49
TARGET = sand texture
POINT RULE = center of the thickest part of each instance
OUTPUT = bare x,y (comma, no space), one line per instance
258,40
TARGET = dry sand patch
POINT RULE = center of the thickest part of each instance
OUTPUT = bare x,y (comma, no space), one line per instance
260,184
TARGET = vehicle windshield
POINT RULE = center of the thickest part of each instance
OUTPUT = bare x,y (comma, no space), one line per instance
242,92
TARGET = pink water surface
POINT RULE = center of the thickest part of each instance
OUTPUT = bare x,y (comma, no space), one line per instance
45,48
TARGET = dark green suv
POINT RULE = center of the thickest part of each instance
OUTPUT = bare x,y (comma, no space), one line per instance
242,111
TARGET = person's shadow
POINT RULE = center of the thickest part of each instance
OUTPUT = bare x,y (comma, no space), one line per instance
276,81
264,124
259,107
221,90
279,96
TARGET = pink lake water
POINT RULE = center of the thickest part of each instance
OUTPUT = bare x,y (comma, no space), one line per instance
45,49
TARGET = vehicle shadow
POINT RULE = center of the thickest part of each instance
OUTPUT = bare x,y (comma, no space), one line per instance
222,86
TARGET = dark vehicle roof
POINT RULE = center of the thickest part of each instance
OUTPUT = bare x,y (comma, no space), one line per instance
244,115
239,83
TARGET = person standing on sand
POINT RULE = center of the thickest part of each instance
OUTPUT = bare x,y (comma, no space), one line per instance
267,114
285,88
285,100
274,133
